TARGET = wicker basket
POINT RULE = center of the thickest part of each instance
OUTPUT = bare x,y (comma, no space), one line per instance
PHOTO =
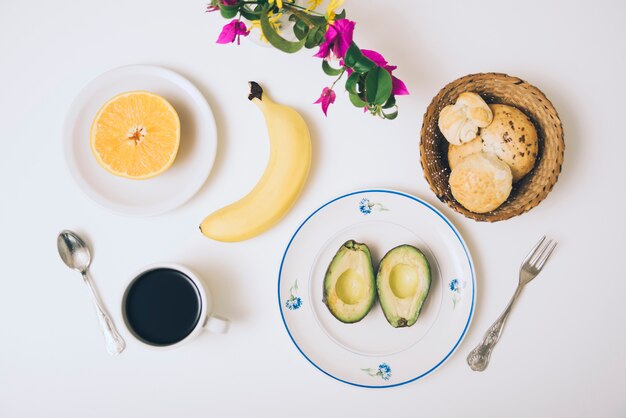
504,89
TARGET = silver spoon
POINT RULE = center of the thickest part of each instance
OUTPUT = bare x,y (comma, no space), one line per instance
75,254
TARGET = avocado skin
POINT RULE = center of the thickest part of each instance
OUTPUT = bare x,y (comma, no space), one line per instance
329,283
385,294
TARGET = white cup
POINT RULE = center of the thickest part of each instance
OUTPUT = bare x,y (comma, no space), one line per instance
206,321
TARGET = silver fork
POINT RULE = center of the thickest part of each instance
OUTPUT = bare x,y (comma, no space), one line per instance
478,358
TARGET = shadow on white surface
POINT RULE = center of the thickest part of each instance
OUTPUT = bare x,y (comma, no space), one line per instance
222,133
215,276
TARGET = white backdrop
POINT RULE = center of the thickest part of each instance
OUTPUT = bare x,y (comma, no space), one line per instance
562,353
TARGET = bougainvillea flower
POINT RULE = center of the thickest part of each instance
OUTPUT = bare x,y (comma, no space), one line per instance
337,39
232,31
326,99
376,57
398,87
214,7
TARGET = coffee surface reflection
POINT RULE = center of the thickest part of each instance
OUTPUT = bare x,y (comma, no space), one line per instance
162,306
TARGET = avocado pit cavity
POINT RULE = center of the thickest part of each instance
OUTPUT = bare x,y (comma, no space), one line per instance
350,283
403,280
403,283
351,287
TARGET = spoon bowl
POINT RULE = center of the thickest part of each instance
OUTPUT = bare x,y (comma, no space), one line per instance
76,255
73,251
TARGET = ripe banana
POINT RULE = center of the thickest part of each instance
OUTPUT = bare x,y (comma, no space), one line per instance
281,183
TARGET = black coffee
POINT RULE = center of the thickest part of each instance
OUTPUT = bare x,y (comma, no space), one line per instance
162,306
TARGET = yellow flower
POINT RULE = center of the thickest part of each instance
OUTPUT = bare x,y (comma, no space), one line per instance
274,22
279,3
313,4
330,10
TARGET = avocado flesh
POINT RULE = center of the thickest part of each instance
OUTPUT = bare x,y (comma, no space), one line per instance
349,283
403,282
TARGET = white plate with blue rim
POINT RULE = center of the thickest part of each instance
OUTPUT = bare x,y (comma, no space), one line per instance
371,353
167,191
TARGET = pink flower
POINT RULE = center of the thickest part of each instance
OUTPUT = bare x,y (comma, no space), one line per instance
337,39
326,99
398,87
232,31
214,7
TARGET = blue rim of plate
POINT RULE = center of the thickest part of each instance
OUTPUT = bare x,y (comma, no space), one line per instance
467,254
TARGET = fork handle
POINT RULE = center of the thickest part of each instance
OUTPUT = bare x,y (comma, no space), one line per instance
478,358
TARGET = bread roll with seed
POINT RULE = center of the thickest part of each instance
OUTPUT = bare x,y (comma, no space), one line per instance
481,182
513,138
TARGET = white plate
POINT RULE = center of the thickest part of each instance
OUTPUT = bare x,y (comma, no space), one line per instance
371,353
159,194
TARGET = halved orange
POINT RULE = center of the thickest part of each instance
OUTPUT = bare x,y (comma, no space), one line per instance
136,135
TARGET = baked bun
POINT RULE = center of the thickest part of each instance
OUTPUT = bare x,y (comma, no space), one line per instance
457,152
513,138
481,182
459,122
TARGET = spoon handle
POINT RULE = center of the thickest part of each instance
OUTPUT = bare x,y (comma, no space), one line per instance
114,342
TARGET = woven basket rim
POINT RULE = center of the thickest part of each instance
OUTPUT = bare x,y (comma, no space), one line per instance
432,112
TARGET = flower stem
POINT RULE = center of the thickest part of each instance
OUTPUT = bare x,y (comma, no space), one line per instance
305,17
297,6
338,78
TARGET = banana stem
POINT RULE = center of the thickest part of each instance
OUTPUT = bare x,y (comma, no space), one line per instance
256,91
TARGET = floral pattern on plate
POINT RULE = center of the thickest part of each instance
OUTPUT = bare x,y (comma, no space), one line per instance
366,207
294,302
383,371
456,286
373,354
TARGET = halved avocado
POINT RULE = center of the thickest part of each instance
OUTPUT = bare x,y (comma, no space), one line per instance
403,282
349,284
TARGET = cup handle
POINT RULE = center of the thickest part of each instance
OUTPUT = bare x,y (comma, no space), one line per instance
216,325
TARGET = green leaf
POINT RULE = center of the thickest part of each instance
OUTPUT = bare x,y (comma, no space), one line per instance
352,82
227,11
314,38
391,115
330,70
341,15
357,101
319,36
300,29
317,20
352,55
364,65
249,14
377,86
390,103
308,18
274,38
